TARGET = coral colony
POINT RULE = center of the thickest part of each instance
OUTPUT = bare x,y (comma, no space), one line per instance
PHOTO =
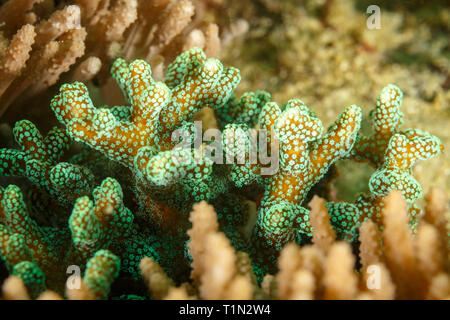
122,204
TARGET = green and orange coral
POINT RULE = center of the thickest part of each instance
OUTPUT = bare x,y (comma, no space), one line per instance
393,153
93,227
143,138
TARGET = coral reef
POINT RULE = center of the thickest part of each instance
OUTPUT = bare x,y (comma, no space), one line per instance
129,196
166,180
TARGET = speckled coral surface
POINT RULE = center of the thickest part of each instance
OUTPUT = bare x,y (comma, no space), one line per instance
323,53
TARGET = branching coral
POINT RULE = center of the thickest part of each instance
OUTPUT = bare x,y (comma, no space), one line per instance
404,254
157,109
165,170
40,51
107,224
212,255
38,161
305,156
45,41
393,153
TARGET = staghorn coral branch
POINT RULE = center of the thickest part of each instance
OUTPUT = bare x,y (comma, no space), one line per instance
399,247
339,279
370,247
383,288
157,108
58,42
71,47
60,22
106,21
157,281
305,157
177,294
393,153
205,222
87,69
95,226
174,19
288,263
49,295
88,8
214,259
430,253
323,233
212,41
101,270
132,29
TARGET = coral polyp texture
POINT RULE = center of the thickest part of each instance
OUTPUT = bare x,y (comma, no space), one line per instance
392,153
44,42
125,200
157,108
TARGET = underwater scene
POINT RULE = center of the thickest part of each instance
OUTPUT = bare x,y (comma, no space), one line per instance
224,150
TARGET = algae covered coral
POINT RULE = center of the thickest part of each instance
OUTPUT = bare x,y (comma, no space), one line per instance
119,196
